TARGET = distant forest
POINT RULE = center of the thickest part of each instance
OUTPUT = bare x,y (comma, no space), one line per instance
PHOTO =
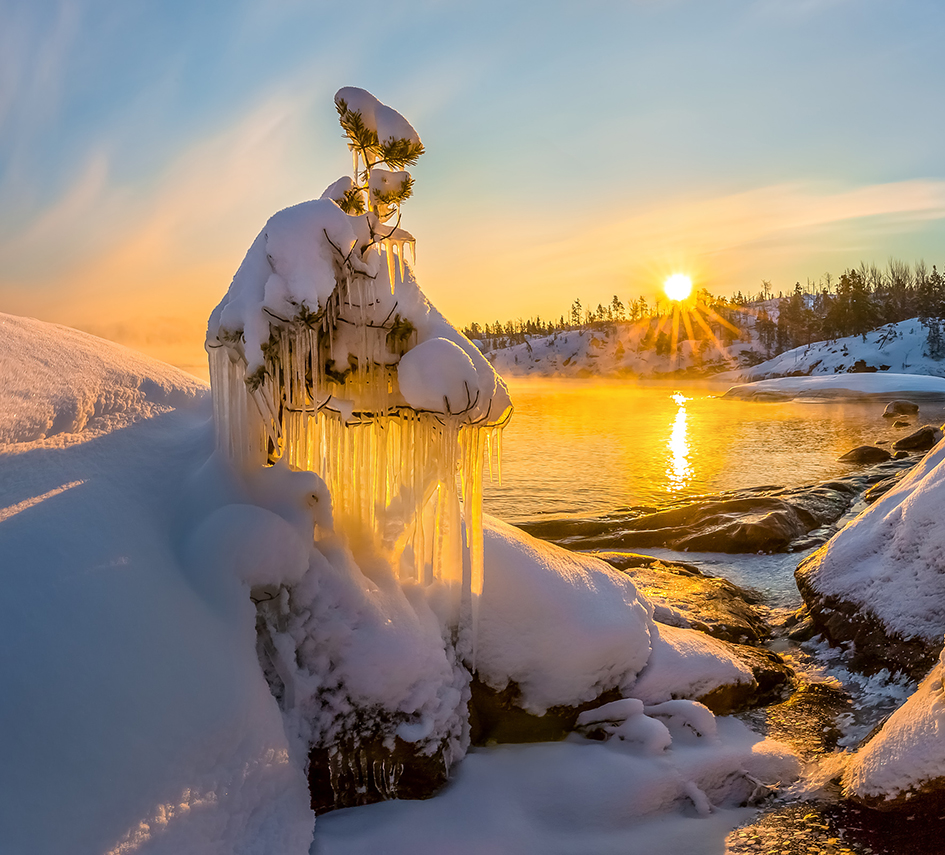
859,300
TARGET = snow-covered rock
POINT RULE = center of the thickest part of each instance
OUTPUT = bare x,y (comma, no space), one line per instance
564,626
857,387
879,581
903,765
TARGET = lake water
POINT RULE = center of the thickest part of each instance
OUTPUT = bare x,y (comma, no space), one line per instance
588,447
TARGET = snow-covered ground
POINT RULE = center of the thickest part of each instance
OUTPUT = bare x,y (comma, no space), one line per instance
876,387
137,713
898,348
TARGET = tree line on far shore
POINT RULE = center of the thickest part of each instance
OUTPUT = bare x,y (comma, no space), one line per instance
859,300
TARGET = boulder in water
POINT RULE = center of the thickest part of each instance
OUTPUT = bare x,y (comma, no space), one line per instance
921,440
900,408
865,454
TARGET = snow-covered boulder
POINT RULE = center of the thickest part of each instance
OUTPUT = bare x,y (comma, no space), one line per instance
558,630
726,678
903,765
879,581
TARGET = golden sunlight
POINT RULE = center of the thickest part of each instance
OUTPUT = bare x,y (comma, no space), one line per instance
678,286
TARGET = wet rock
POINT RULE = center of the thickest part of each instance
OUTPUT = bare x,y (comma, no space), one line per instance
684,596
900,408
880,488
765,519
865,454
921,440
901,423
368,768
498,716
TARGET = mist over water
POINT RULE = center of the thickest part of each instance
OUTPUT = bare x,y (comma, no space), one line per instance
589,447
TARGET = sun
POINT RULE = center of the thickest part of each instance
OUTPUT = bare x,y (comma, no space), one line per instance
678,286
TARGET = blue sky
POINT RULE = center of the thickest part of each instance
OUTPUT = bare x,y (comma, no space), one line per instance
579,149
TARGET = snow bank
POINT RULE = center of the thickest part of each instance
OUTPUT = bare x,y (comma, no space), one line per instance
889,560
563,625
576,796
908,753
879,387
137,715
56,380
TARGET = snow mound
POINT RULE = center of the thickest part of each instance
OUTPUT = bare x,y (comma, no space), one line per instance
889,560
88,385
562,625
438,375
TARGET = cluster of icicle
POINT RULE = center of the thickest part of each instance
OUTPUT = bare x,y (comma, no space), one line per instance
411,481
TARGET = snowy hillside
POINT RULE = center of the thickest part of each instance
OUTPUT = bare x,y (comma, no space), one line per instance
615,350
897,348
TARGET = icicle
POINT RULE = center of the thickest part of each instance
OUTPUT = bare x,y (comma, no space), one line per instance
400,258
388,250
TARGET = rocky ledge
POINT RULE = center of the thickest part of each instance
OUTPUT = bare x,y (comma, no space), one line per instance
762,519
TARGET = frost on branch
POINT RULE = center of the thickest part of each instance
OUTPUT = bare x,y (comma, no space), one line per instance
324,353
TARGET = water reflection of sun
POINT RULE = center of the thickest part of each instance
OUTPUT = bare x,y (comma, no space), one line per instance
679,472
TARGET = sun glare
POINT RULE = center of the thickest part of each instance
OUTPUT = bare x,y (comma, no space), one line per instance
678,286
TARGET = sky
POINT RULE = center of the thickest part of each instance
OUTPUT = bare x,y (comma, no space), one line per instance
574,149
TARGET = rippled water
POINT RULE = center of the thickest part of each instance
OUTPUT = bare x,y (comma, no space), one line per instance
587,447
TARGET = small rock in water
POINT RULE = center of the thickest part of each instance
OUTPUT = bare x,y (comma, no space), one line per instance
900,408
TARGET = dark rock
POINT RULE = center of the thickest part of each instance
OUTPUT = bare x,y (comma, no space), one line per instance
901,423
921,440
900,408
685,596
880,488
764,519
498,716
364,769
924,802
860,367
865,454
900,455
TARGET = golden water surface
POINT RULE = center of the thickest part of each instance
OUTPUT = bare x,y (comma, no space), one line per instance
588,447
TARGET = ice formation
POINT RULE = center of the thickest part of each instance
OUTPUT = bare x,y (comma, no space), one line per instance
325,354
